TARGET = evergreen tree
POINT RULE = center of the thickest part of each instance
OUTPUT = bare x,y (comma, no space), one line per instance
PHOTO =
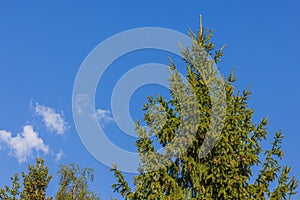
199,170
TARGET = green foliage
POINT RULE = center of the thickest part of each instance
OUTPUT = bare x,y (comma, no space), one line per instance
11,193
35,183
74,183
226,172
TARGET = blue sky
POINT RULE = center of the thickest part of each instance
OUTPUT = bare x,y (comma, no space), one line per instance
44,43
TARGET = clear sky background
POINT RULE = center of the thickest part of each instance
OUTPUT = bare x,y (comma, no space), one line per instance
43,43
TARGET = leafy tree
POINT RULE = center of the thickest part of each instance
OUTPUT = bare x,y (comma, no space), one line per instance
35,183
74,183
11,193
198,171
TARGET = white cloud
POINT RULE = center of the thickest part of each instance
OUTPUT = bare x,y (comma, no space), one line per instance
54,122
59,155
103,116
81,103
24,144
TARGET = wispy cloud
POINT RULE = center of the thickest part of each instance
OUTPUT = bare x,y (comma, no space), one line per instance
103,116
59,155
54,121
24,144
81,103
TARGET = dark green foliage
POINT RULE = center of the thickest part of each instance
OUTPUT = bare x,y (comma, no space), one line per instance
223,173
